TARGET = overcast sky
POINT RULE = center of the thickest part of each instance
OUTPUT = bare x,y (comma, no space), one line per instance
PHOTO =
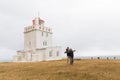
92,27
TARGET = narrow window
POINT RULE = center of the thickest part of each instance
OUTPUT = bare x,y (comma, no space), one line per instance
46,34
30,43
57,53
43,44
50,54
42,33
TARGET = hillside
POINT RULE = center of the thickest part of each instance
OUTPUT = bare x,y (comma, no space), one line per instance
59,70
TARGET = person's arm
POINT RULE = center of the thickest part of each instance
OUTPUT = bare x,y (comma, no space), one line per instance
65,51
74,50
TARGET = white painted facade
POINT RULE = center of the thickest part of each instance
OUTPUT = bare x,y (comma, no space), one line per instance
38,44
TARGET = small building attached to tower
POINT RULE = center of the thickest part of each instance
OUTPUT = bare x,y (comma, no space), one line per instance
38,44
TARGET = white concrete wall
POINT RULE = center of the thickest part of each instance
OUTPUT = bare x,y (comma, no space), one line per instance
40,39
41,54
20,57
54,53
33,37
44,54
30,40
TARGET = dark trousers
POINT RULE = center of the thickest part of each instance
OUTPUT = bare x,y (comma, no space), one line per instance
71,60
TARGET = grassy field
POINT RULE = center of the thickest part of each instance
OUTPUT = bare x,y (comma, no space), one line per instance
59,70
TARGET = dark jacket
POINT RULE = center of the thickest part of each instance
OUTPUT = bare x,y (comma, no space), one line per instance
67,51
71,53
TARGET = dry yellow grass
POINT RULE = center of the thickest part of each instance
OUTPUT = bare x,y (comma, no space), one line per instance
59,70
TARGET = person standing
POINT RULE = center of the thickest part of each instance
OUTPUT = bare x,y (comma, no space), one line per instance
71,52
68,54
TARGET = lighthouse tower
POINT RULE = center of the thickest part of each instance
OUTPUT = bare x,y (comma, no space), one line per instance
38,44
37,36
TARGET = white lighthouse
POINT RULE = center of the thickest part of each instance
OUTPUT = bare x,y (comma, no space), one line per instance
38,44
